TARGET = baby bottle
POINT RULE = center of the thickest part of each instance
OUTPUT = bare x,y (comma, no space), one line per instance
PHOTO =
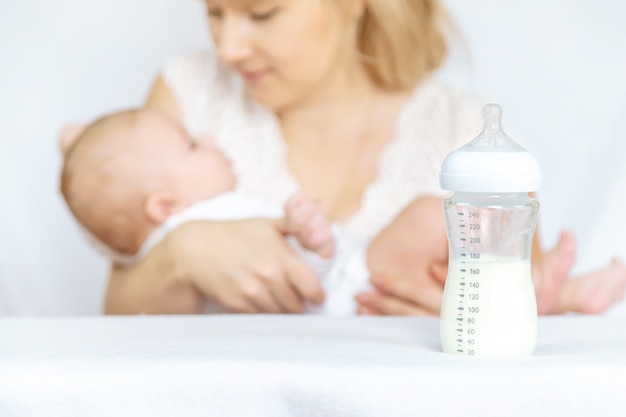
489,307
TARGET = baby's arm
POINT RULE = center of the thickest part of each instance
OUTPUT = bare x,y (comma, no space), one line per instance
306,222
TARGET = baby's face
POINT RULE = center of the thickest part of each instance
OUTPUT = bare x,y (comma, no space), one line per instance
197,170
204,171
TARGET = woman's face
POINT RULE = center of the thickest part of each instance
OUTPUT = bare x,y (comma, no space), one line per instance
285,50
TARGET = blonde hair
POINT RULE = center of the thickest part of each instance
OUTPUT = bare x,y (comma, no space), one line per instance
402,41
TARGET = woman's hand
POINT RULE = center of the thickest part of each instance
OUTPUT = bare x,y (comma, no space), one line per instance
245,266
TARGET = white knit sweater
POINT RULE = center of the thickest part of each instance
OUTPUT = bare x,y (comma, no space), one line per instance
436,120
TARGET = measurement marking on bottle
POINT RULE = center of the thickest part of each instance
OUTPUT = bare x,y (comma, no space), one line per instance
467,324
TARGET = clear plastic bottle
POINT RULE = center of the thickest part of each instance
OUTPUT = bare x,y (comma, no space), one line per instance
489,306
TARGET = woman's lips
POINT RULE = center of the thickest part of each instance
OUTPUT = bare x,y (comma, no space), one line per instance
254,77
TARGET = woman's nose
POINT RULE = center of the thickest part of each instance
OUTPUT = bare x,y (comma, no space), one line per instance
233,41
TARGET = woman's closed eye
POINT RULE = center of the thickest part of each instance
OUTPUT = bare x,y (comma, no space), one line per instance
215,13
259,16
265,15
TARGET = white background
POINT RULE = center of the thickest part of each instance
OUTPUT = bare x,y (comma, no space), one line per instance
557,67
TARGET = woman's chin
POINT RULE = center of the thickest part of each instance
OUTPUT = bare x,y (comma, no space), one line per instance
270,97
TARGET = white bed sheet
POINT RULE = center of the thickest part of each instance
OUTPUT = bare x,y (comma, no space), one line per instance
300,365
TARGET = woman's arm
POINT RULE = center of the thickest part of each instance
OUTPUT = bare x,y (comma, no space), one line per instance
408,262
157,285
245,266
409,276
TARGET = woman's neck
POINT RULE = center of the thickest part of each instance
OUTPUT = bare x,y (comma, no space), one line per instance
323,112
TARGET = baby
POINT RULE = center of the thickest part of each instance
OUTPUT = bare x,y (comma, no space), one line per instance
131,177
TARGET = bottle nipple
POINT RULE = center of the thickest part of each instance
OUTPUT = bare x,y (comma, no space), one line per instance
491,162
492,137
492,115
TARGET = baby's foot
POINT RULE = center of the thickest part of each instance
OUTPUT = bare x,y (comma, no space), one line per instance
307,223
551,271
593,293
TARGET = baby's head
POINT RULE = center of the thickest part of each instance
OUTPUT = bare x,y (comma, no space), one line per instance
127,172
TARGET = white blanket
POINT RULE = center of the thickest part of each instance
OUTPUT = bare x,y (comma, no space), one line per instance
300,366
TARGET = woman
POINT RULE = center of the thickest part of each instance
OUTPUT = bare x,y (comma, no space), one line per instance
296,85
330,96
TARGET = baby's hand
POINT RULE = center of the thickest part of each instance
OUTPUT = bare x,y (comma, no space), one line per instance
306,222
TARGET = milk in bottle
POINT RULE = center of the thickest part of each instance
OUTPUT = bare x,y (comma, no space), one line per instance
489,307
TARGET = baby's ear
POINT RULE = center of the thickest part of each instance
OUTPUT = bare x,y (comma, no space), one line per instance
160,205
68,136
